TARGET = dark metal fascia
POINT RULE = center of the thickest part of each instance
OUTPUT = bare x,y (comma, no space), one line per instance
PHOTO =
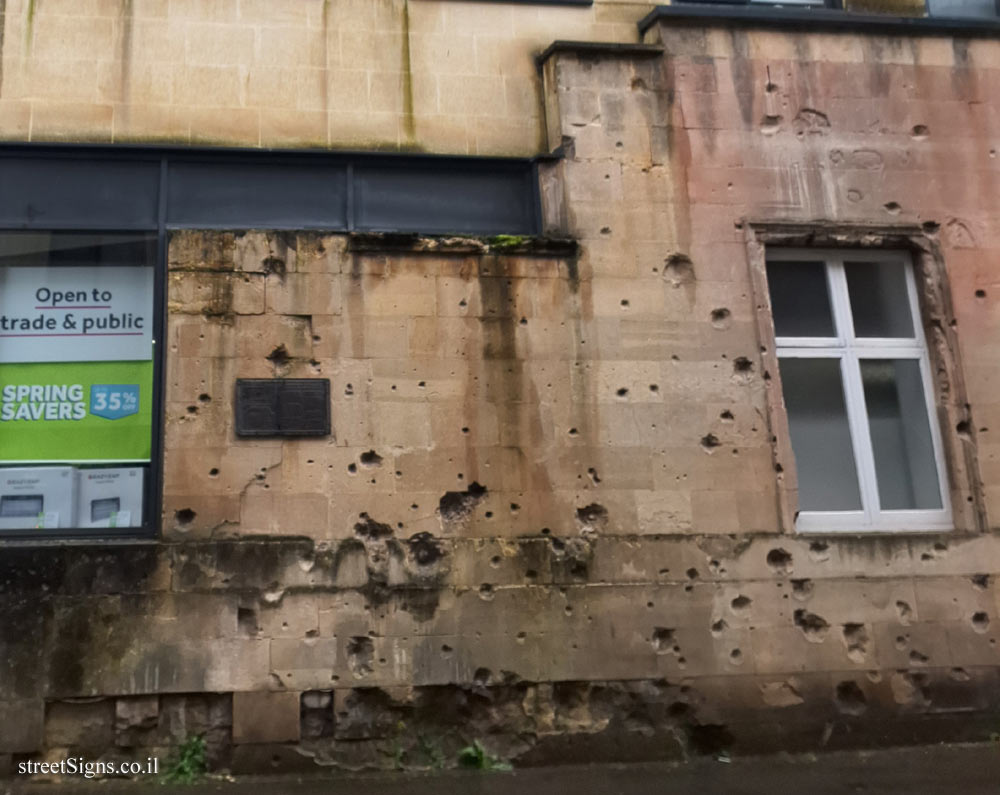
807,20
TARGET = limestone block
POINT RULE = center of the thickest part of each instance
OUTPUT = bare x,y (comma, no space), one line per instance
23,729
265,717
80,724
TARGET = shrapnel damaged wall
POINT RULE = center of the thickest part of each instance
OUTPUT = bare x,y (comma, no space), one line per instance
451,76
548,515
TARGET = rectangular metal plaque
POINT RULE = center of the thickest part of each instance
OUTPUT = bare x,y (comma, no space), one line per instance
282,407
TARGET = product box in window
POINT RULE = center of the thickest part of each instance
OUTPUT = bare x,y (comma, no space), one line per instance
109,497
37,497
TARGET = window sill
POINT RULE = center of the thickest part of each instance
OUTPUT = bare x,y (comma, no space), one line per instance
814,20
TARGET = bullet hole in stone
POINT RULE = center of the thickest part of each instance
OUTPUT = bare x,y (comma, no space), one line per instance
721,317
710,441
802,589
688,588
424,548
654,388
649,605
465,430
740,604
692,573
854,195
980,622
521,637
959,675
456,505
414,507
981,581
726,416
495,561
962,428
916,658
605,230
780,561
392,388
370,459
514,507
919,132
545,531
622,392
593,475
184,516
892,208
213,472
709,739
850,699
819,551
901,642
530,574
360,654
460,476
246,621
573,431
279,357
192,409
814,627
481,677
742,365
489,514
592,518
568,610
463,303
736,656
856,641
678,269
371,529
349,390
204,398
422,384
778,468
663,640
446,650
352,468
486,592
624,303
523,321
274,266
980,293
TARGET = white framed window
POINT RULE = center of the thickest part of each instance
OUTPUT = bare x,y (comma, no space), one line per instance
857,390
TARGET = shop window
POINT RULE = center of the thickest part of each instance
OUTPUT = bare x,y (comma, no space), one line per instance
857,391
76,381
975,9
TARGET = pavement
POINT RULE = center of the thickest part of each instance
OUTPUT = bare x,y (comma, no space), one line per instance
933,770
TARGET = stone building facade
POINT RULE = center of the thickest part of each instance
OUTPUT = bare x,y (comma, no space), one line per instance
557,509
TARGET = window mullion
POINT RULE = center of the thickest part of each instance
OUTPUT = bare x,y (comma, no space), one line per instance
854,395
857,418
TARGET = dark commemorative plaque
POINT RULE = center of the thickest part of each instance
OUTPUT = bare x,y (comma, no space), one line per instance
282,407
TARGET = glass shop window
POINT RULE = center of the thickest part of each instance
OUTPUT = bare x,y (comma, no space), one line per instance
76,380
857,390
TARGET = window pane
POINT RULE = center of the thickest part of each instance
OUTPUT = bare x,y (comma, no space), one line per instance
76,379
880,304
901,435
982,9
800,299
821,438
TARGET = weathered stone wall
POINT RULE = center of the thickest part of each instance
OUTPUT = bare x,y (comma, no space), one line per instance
548,516
435,75
432,75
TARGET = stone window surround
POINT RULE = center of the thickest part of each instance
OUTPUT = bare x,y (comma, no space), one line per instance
951,402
